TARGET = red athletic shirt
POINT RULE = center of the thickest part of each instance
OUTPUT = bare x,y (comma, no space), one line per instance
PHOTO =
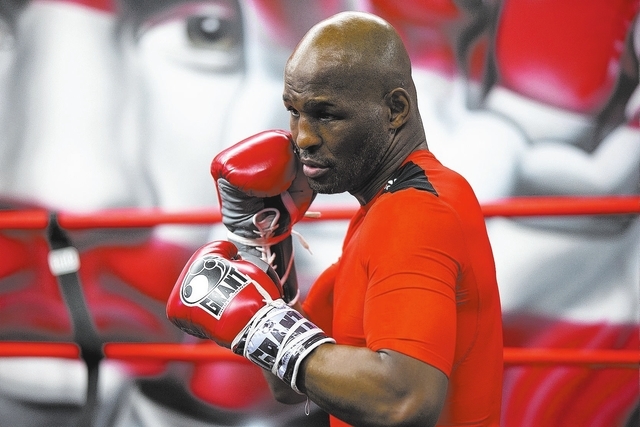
417,276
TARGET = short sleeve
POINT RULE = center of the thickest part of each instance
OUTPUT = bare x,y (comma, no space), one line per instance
413,268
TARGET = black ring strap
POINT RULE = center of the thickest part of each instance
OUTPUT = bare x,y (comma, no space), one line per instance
64,263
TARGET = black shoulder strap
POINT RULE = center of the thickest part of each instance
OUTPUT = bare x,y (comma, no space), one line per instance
409,175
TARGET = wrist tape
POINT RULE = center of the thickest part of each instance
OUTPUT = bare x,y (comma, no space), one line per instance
278,338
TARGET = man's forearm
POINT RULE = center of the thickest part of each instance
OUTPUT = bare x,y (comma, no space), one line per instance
282,392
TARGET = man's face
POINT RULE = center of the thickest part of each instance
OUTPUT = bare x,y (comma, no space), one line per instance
340,127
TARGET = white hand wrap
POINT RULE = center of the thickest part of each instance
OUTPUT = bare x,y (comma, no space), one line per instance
278,338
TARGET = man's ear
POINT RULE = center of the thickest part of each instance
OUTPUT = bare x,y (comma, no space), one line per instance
399,105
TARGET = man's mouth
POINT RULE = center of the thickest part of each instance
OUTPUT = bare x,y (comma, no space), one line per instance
313,172
313,169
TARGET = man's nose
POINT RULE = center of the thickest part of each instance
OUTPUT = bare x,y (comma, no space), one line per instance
306,136
64,144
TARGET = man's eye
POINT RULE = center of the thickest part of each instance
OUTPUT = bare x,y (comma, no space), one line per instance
293,112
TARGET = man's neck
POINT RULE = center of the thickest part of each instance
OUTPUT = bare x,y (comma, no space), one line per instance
399,151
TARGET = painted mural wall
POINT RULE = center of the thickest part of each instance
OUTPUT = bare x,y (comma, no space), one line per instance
122,104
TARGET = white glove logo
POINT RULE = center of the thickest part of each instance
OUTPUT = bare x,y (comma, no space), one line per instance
211,283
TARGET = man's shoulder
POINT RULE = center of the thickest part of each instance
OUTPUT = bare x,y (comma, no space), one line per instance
409,175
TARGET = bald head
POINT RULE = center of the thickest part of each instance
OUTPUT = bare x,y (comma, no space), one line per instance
360,47
352,103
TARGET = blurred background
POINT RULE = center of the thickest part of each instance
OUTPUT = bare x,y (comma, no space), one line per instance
108,105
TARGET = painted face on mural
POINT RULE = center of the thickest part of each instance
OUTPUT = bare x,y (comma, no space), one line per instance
111,107
129,114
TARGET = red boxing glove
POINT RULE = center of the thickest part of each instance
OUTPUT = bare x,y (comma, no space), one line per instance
218,292
263,193
234,300
262,165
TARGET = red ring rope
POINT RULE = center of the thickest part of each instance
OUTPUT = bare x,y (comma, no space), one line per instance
134,218
629,359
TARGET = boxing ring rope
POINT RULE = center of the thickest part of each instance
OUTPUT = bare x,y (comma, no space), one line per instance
141,218
210,352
